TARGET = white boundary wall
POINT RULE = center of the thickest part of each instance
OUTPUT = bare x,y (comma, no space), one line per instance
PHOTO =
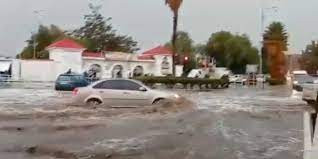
67,59
108,66
38,70
310,137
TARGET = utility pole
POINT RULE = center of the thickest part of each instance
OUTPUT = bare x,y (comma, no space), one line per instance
263,11
261,42
34,44
37,14
263,18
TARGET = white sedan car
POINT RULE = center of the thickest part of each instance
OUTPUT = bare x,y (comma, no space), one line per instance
310,94
120,92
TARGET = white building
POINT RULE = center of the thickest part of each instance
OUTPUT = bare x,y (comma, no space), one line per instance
67,54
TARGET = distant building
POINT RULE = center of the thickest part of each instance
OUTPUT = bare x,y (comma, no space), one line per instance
293,61
251,69
67,54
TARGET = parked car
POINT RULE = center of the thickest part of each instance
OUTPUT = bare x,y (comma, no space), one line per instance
310,93
260,78
196,73
237,79
70,81
120,92
300,79
4,77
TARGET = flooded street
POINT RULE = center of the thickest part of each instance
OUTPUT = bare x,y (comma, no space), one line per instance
235,123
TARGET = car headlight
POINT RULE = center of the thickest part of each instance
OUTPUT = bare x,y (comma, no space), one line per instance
176,96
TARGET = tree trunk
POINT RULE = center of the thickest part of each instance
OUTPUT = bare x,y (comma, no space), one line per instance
174,37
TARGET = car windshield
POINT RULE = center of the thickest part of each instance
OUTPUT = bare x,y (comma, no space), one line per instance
304,78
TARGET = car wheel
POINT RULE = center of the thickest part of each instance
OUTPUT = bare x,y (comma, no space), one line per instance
94,102
159,101
311,102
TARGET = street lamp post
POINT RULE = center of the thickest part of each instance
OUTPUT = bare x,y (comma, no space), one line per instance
37,13
263,18
34,44
261,42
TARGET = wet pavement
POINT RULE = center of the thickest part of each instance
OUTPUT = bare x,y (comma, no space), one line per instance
235,123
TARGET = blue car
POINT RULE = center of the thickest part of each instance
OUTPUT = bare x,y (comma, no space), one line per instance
70,81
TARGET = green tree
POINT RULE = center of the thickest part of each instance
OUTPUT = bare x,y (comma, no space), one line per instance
215,46
239,53
98,34
174,6
184,49
277,31
184,44
200,49
309,58
39,41
232,51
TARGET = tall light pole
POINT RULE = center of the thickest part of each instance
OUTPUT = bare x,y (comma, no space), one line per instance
263,18
261,41
37,14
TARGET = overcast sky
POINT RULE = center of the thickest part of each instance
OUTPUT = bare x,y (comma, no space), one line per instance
150,23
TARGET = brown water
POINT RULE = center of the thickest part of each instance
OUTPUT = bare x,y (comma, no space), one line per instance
236,123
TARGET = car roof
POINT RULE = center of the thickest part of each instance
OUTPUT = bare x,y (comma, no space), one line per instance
116,79
70,74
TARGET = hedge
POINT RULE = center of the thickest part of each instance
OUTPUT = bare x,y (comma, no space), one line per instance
275,82
170,82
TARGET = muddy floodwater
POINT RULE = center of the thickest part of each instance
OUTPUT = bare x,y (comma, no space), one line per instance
236,123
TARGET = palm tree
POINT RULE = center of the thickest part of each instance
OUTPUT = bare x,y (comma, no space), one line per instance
174,6
276,31
275,43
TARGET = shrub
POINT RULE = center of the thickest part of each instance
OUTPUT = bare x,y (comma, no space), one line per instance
170,82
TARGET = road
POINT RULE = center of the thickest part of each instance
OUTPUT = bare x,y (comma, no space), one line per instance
235,123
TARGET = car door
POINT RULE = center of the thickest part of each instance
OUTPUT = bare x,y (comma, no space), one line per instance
132,95
110,92
64,83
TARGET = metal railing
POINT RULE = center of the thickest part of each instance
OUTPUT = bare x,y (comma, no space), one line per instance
5,77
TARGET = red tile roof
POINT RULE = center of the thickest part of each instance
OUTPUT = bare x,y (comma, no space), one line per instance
160,50
93,54
66,43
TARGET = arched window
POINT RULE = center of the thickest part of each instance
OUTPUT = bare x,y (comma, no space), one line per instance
138,71
165,66
94,72
117,71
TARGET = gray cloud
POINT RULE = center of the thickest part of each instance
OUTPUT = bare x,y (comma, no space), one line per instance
149,21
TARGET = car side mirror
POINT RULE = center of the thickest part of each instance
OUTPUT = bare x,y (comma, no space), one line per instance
143,89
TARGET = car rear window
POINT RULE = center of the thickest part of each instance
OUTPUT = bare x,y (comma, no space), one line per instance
64,78
71,78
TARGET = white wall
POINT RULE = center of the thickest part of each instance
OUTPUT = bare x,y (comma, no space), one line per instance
68,59
128,67
38,70
15,69
158,62
179,70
